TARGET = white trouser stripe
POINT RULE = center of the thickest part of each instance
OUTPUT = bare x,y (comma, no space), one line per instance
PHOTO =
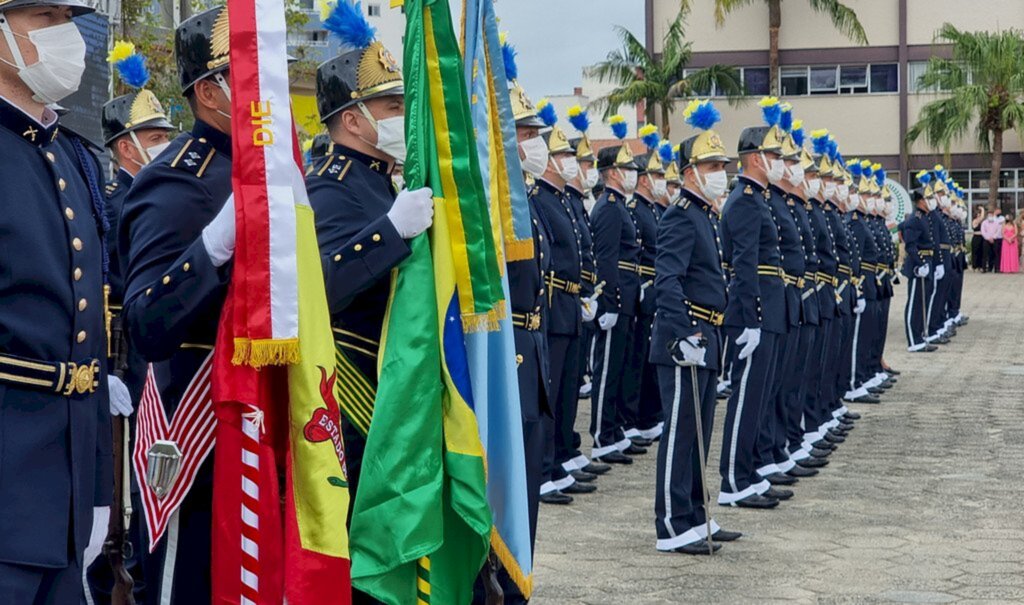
666,487
853,357
741,395
604,383
910,312
931,302
170,557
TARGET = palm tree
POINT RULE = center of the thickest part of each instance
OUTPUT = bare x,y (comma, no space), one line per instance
985,80
660,81
843,18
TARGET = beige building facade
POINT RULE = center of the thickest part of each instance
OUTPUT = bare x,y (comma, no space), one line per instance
865,95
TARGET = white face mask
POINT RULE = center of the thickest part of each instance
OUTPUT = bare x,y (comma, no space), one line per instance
796,174
61,51
890,211
628,179
590,178
535,161
390,133
776,169
568,168
399,181
813,187
660,188
712,184
830,190
931,204
155,151
871,205
944,202
854,202
148,154
844,192
673,196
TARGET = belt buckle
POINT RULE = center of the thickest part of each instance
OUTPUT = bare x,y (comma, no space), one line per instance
533,321
717,318
81,378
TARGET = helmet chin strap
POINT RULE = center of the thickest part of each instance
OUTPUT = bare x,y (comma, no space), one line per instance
142,150
12,43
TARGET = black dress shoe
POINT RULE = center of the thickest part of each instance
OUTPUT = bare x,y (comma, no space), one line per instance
580,488
891,371
820,453
700,547
885,385
930,349
780,479
641,441
837,432
583,476
942,340
802,472
596,468
722,395
875,390
821,444
634,450
616,458
851,415
555,497
723,535
866,399
814,462
756,501
779,494
834,438
845,426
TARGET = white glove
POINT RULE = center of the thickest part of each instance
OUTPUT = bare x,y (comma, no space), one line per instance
412,212
219,235
98,534
589,309
923,271
643,289
120,399
693,354
861,303
940,272
750,338
608,321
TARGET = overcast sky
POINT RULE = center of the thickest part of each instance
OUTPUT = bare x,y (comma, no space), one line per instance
557,38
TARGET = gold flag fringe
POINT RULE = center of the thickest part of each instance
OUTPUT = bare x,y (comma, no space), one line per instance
266,352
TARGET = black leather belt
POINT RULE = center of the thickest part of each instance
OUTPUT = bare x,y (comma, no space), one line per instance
65,377
526,321
715,318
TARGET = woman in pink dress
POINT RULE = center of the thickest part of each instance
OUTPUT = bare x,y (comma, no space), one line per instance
1010,260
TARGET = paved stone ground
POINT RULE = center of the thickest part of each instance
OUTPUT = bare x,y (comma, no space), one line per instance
922,504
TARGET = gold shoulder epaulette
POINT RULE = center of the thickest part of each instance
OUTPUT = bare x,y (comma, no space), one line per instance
194,157
334,167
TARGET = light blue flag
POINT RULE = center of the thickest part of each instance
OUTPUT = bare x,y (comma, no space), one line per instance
491,355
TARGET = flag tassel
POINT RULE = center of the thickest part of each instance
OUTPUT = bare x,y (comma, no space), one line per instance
266,352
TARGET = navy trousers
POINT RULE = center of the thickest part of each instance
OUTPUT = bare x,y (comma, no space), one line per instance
809,390
606,399
915,312
31,585
937,304
679,515
751,382
828,399
642,409
558,440
794,389
771,439
865,328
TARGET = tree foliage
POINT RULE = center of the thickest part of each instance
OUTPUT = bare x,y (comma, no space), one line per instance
661,82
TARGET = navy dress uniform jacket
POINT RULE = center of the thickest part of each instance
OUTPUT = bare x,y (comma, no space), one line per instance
54,449
750,240
791,249
869,255
645,217
617,254
808,301
828,258
689,272
846,291
588,270
941,241
917,237
565,261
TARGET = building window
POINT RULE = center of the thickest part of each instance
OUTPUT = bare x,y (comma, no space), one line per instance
916,70
756,80
885,78
823,80
373,10
794,81
853,79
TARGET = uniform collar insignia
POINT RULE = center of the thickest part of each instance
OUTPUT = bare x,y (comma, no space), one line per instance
220,141
748,190
549,186
374,164
23,125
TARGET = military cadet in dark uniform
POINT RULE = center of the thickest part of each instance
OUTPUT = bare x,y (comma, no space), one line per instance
642,411
755,317
917,244
136,131
942,265
575,191
565,311
770,452
55,425
321,146
361,225
880,380
686,346
176,240
617,253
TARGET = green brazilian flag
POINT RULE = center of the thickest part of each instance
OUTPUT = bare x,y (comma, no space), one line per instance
421,524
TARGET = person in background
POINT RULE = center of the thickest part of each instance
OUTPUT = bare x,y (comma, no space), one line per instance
1010,257
989,228
997,242
1020,249
977,241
